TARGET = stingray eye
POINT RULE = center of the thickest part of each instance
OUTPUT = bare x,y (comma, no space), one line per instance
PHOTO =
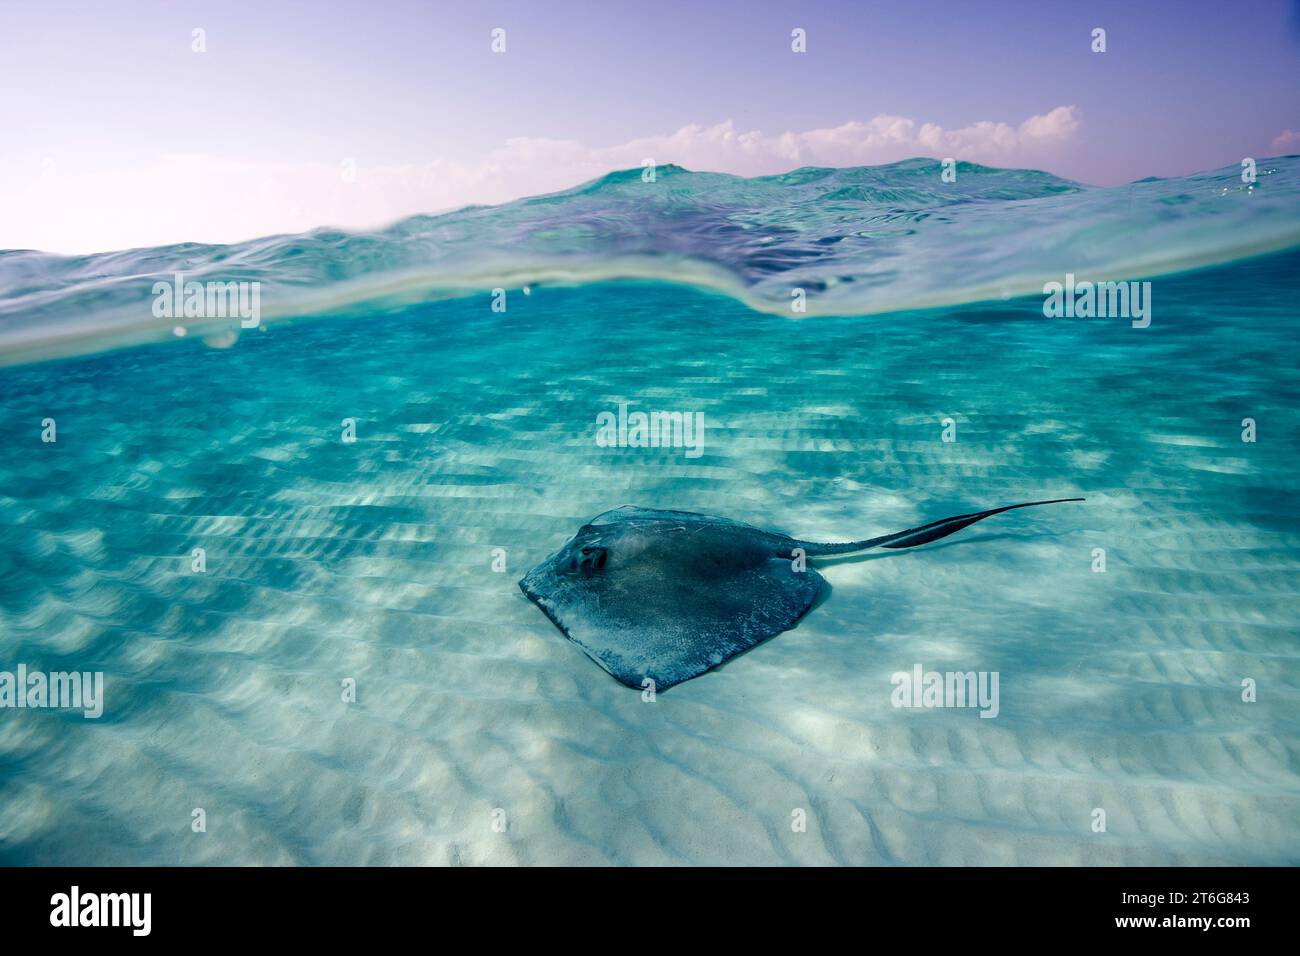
586,550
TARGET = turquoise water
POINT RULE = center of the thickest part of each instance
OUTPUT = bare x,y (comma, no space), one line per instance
475,430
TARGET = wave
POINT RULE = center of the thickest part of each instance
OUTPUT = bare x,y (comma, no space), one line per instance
856,241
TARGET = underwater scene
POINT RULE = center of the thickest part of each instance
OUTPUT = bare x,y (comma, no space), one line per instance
288,537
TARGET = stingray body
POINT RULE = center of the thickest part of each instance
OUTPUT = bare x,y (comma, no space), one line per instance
663,596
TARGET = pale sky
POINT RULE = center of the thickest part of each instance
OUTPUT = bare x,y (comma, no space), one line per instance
117,132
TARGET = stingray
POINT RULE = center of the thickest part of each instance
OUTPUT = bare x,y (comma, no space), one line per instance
662,596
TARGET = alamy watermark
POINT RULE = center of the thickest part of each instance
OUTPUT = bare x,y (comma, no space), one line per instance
74,690
208,300
932,689
1100,300
130,910
651,430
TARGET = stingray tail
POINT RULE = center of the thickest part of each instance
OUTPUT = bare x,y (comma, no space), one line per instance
922,535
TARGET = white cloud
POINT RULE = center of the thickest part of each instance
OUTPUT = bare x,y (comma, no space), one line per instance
1287,141
220,199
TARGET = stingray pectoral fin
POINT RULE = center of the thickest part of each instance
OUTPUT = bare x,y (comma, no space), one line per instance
673,623
922,535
